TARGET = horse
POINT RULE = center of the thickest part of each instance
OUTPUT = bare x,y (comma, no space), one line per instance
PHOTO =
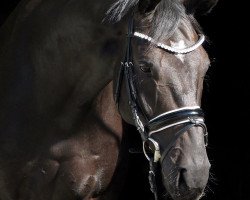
66,99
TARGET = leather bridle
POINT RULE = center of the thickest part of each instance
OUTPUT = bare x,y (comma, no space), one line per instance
186,117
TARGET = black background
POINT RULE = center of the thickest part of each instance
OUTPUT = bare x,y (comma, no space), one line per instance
225,102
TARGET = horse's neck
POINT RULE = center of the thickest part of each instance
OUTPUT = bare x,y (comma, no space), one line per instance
105,112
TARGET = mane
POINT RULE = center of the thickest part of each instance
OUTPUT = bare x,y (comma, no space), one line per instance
164,19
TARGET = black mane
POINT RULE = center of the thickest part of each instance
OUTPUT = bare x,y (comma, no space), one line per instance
165,17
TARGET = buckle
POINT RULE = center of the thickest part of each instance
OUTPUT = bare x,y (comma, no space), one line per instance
151,150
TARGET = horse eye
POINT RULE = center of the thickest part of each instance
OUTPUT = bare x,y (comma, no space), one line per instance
145,67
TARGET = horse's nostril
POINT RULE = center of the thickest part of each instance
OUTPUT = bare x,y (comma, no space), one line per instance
182,179
189,179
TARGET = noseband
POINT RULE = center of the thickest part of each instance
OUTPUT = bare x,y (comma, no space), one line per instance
185,117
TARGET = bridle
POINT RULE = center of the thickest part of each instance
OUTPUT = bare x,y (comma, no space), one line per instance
186,117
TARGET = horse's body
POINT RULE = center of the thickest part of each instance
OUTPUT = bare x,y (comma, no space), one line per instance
60,130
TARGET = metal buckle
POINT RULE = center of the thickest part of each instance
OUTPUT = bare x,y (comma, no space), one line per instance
156,151
200,122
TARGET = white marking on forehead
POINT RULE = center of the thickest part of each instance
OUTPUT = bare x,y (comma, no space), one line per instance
179,45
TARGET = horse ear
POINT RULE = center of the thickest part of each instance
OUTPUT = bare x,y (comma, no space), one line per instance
146,6
200,7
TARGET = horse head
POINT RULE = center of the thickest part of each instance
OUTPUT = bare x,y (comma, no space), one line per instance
158,88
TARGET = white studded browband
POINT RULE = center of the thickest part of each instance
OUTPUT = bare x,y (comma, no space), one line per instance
169,48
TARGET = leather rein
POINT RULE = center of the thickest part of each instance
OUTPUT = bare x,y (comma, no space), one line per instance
188,117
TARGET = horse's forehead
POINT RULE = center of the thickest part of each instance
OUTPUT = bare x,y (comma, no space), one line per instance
179,45
183,37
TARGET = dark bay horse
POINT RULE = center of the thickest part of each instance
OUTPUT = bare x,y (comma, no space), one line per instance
61,129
